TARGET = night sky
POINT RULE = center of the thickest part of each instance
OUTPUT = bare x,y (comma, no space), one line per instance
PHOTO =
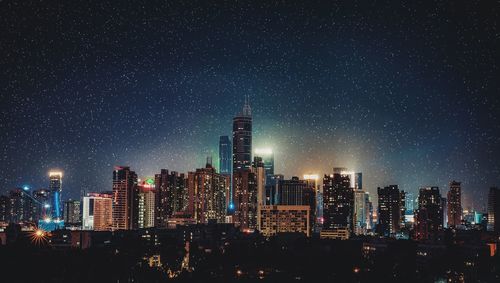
406,94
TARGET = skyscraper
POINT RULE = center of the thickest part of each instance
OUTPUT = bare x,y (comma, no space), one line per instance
207,194
244,185
146,205
20,206
454,204
245,199
338,201
72,215
361,212
429,216
242,139
225,155
494,209
267,156
358,181
125,200
97,212
171,196
55,189
390,210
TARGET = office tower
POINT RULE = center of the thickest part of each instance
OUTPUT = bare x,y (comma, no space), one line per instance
97,212
409,203
454,210
21,206
171,196
207,194
272,189
276,219
358,181
4,209
55,189
245,199
338,201
369,213
125,198
259,170
291,192
429,216
225,155
244,184
42,200
361,212
390,210
146,204
267,156
494,210
317,214
242,139
71,212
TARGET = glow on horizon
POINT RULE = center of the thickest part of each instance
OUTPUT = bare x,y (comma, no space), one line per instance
311,176
266,151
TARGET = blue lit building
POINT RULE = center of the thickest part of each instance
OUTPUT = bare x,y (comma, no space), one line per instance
55,189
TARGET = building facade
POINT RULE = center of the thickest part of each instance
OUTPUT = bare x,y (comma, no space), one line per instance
208,195
429,217
454,205
276,219
125,198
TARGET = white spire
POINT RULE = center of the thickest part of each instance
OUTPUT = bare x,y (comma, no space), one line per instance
247,111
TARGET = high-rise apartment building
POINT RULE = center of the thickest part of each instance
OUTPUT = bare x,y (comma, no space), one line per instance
208,195
429,216
125,198
391,208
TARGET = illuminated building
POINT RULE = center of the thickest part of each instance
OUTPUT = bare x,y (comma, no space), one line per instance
335,234
225,155
71,212
97,212
267,156
242,139
358,181
4,209
171,196
242,146
146,204
125,196
276,219
43,201
207,194
338,201
55,189
312,182
494,210
391,210
429,216
20,206
454,210
361,212
272,190
245,199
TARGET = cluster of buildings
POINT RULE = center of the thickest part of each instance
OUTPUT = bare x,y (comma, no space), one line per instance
246,192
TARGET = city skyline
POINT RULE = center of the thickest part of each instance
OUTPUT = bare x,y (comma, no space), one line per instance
330,86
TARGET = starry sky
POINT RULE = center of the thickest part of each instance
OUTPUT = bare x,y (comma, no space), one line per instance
408,94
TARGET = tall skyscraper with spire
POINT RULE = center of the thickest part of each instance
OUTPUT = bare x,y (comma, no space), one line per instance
242,139
243,193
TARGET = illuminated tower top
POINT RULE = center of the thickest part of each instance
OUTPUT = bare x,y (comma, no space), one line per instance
55,188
